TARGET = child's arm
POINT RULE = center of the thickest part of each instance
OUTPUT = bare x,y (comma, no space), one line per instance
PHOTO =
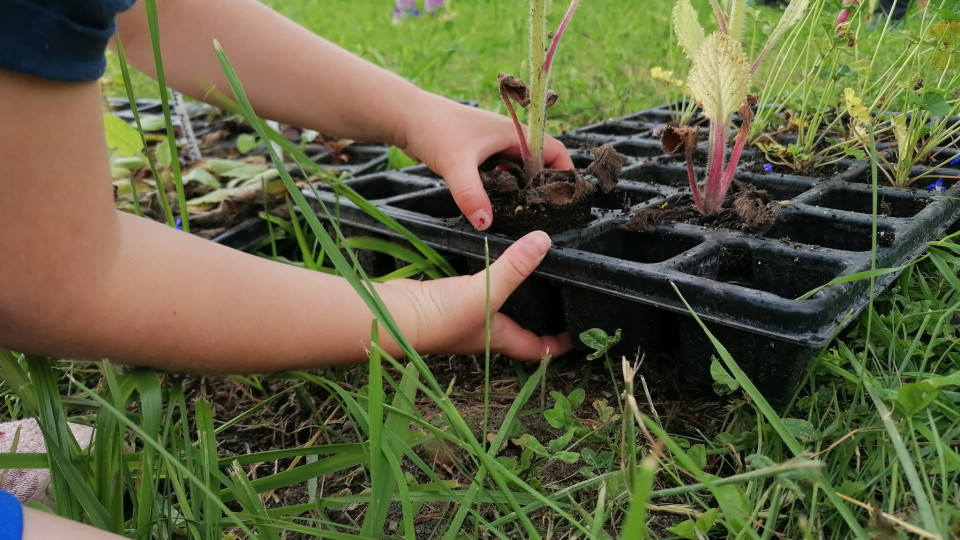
82,280
296,77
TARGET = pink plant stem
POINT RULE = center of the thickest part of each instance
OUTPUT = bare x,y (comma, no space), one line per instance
548,62
737,151
524,148
714,186
692,175
721,18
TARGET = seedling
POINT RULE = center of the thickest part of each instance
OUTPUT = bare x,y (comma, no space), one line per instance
535,97
719,81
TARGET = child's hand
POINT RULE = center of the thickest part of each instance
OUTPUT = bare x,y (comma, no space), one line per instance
453,139
449,315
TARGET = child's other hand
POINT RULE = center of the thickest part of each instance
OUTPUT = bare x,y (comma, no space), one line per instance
449,315
453,139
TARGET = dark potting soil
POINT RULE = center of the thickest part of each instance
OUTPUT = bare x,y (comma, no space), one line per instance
554,200
744,208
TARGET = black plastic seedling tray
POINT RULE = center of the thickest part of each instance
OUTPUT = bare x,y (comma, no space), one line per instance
744,285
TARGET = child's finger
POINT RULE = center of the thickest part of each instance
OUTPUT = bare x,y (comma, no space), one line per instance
511,339
467,190
516,263
556,155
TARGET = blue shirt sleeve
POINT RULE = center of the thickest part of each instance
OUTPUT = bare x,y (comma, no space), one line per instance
11,517
62,40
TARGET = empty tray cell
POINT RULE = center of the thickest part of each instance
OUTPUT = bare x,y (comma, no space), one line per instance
655,173
436,203
581,160
662,245
898,205
829,232
780,189
617,129
787,274
637,149
383,186
623,197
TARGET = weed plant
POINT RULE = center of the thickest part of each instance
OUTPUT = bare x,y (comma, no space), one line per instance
866,449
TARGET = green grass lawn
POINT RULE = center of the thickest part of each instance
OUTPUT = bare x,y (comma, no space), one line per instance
868,448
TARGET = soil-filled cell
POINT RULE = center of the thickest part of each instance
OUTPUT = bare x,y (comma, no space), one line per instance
898,205
617,129
437,203
383,187
636,149
785,274
830,232
655,173
644,248
623,197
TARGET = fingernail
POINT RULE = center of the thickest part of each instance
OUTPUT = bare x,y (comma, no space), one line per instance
540,243
480,220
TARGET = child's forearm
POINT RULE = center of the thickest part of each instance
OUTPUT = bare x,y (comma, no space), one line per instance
289,74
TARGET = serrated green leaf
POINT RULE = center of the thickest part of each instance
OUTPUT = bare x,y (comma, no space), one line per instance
791,16
935,103
686,26
720,77
122,136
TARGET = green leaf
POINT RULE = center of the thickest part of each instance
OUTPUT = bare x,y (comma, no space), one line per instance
152,122
246,143
576,398
802,429
562,441
698,454
599,341
556,417
396,159
529,442
686,26
162,155
567,457
685,529
122,136
202,176
934,103
723,383
915,397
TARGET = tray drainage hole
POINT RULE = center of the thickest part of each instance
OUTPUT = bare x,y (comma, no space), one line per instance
382,187
898,205
646,248
783,274
829,232
438,204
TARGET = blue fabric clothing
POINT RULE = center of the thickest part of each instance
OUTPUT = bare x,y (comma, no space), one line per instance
11,517
62,40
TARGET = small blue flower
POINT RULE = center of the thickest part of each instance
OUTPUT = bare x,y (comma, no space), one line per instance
937,186
955,161
178,224
768,167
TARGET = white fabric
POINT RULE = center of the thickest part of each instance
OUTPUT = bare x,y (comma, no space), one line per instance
31,484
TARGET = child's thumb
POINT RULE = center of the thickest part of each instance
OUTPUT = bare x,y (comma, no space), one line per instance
515,265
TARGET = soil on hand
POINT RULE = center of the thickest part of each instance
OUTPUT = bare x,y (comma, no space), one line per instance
744,208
